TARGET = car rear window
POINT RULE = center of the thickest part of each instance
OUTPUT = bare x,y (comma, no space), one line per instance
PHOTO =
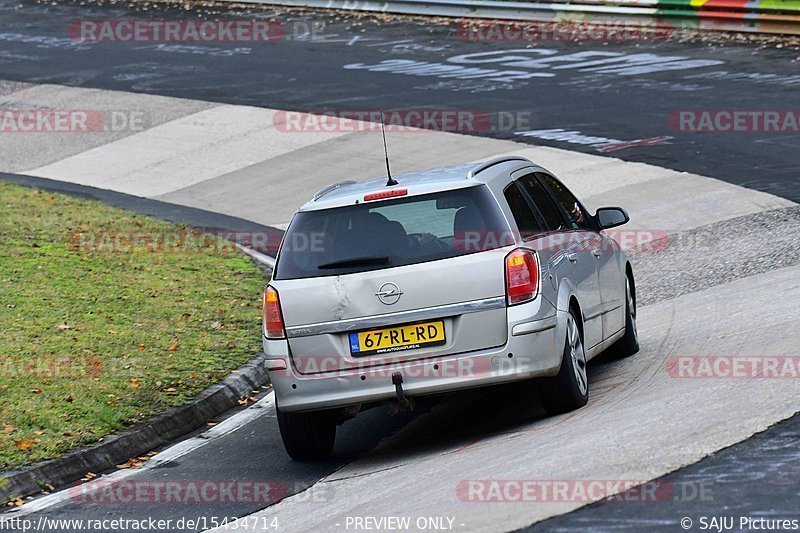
390,233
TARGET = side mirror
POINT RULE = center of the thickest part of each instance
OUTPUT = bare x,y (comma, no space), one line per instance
611,217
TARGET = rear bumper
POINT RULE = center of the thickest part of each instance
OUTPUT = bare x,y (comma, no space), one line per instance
533,349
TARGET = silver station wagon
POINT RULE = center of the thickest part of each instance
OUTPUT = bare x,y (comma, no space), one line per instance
437,281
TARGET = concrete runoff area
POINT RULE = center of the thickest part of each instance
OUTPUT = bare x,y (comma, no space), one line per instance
24,151
231,160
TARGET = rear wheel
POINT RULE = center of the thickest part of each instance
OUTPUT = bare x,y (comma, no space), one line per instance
569,389
307,436
629,343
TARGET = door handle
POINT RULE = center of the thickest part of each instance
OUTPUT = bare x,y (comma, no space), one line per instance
596,252
572,257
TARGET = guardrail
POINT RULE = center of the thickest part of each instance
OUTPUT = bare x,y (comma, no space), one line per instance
763,16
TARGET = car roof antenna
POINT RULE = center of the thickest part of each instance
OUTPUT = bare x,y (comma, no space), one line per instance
391,180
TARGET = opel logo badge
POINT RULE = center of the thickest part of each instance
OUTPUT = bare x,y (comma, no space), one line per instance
389,293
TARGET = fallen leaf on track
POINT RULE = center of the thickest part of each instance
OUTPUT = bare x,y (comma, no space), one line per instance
134,462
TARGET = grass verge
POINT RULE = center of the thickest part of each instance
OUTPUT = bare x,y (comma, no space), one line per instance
98,334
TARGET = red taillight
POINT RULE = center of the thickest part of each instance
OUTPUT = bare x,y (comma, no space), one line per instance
522,276
273,321
385,194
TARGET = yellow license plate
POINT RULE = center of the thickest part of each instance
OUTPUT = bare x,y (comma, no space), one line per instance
385,340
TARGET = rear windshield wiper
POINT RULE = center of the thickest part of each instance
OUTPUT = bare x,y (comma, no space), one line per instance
356,262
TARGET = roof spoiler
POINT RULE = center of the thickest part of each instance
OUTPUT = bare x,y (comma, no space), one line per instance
483,166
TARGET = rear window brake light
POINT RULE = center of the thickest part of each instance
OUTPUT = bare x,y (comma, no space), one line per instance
385,194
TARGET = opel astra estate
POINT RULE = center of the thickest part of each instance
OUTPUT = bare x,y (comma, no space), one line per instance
439,281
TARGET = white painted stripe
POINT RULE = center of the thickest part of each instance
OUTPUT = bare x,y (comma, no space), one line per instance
227,426
183,152
123,114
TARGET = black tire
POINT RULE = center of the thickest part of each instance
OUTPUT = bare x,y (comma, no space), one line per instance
629,343
307,436
569,389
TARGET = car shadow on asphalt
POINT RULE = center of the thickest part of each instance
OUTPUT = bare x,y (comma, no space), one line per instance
451,422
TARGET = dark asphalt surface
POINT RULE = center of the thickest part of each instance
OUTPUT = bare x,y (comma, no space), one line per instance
755,478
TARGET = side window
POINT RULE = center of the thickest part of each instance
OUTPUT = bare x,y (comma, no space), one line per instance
523,215
548,209
577,217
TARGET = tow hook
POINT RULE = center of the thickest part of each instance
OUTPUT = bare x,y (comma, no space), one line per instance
397,381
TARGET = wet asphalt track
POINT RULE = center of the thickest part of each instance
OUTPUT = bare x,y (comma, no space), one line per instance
336,70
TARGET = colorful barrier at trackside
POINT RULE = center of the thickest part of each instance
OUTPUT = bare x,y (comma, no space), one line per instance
769,16
765,16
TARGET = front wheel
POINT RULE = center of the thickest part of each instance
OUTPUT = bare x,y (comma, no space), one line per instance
569,389
307,436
